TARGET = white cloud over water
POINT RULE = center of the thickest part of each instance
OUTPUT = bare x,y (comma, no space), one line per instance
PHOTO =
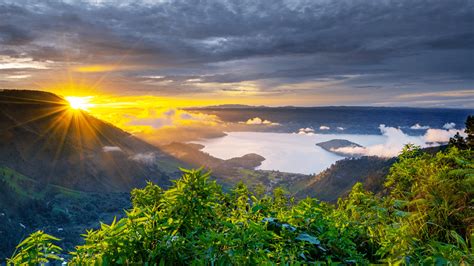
397,139
306,131
450,125
441,135
395,142
419,127
260,121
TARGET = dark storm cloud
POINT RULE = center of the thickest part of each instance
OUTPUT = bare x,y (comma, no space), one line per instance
12,35
382,43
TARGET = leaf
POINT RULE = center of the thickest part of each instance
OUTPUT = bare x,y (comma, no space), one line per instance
308,238
400,203
229,225
459,240
257,208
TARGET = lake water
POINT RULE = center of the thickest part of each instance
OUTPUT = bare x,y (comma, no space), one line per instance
285,151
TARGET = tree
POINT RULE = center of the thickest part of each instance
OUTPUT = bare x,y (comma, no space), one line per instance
458,141
464,143
36,249
470,131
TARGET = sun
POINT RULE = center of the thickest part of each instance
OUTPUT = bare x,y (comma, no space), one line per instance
80,103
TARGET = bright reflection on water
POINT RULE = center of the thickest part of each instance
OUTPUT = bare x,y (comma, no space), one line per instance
285,152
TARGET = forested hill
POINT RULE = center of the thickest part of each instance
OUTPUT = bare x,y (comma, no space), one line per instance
339,178
44,139
63,170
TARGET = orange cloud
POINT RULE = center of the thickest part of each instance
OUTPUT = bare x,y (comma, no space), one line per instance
100,68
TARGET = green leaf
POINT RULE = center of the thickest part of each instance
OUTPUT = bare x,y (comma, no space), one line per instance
308,238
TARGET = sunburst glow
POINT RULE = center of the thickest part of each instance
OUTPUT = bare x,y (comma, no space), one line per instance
80,103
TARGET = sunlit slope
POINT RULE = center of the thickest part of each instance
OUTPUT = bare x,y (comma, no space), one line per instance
17,189
44,138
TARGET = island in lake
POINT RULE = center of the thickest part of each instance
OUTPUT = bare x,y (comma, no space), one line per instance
335,144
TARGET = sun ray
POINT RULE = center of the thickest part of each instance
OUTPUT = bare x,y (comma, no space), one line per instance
80,103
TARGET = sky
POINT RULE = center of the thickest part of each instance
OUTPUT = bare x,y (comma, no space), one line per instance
277,52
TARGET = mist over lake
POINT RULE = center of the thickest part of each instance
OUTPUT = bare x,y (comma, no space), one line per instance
285,152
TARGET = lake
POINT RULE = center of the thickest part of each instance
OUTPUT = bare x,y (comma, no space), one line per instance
285,152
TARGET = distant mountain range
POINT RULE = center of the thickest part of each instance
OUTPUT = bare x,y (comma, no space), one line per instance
224,106
338,119
231,106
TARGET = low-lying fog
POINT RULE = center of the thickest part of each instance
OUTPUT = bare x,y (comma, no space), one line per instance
298,153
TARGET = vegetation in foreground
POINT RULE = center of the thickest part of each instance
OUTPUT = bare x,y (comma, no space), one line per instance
426,216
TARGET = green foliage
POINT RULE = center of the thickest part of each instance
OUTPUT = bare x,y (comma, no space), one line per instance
425,217
459,141
434,192
36,249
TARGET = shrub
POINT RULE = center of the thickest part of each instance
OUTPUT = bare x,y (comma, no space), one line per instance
36,249
426,218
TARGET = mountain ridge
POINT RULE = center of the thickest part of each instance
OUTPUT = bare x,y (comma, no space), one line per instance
40,131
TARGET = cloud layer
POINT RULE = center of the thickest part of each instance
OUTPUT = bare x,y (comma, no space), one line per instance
317,52
397,139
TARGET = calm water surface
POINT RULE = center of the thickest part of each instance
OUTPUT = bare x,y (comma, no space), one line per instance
285,152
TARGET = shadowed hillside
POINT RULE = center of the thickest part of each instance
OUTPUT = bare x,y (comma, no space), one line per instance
337,180
41,137
63,170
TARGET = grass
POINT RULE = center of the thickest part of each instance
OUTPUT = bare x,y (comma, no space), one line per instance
20,183
28,188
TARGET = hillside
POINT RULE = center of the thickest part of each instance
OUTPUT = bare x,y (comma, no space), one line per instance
63,170
27,205
42,138
337,180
